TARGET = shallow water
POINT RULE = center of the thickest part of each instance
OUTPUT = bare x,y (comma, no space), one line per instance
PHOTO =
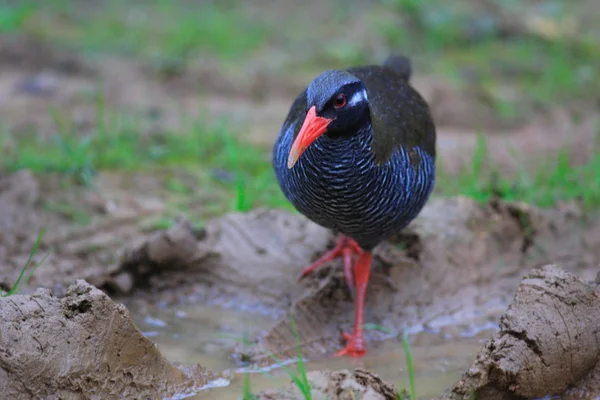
202,334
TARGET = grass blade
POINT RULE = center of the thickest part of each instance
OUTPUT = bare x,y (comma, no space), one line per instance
409,366
301,367
20,281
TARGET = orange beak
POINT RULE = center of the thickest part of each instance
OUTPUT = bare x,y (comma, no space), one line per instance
312,128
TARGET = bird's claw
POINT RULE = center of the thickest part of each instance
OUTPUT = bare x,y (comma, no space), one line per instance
345,248
355,346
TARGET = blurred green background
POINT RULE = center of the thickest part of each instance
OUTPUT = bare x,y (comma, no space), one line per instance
188,96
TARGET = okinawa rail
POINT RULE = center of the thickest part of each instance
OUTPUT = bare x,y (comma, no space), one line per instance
356,155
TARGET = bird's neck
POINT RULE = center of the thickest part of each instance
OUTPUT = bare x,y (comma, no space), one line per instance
342,145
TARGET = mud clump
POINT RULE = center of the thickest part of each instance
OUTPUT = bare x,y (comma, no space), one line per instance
548,342
340,385
252,259
81,346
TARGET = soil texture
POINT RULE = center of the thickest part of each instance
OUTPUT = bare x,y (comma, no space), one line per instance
547,345
548,342
342,385
82,346
456,259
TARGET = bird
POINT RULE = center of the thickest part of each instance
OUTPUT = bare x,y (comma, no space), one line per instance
356,154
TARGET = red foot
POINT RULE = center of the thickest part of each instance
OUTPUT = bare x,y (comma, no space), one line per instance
345,248
358,279
355,346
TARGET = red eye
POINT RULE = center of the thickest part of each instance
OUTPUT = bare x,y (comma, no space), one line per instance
340,101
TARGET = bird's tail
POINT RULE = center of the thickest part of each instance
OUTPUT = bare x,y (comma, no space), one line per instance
400,64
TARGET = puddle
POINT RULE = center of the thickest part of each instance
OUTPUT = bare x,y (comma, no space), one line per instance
199,334
204,334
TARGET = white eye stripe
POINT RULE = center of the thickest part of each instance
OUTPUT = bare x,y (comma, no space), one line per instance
358,97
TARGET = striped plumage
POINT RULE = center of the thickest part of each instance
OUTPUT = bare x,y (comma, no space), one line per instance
338,183
356,154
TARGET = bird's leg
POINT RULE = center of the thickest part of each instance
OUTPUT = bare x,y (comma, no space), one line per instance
347,263
355,343
346,248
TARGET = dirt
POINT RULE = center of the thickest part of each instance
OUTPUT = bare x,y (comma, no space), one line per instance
548,341
457,258
547,345
82,346
85,252
342,385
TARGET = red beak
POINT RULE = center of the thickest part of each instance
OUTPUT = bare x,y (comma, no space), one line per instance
312,128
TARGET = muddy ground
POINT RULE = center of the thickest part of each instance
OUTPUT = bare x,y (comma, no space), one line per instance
457,259
547,344
82,345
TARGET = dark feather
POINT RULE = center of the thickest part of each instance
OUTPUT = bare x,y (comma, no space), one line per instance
399,115
297,110
399,64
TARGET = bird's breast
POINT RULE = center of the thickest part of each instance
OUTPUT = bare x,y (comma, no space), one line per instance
338,184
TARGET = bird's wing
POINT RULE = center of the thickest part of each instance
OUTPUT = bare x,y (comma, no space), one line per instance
399,115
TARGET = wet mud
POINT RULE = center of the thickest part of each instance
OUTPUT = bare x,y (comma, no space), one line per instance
459,261
87,252
548,342
343,385
547,345
251,259
82,346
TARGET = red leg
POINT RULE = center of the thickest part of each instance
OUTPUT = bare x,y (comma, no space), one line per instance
355,346
348,275
345,248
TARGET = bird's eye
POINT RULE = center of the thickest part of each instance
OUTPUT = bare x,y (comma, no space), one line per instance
340,101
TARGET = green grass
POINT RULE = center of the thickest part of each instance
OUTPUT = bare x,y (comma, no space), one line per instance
408,354
13,18
248,395
238,175
517,74
300,379
409,366
166,32
555,180
24,276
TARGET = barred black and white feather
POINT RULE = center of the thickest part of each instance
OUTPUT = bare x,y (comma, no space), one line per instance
371,180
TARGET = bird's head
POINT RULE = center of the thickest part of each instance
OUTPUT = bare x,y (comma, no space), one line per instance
337,104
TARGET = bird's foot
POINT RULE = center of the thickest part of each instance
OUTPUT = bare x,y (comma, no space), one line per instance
355,346
345,248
